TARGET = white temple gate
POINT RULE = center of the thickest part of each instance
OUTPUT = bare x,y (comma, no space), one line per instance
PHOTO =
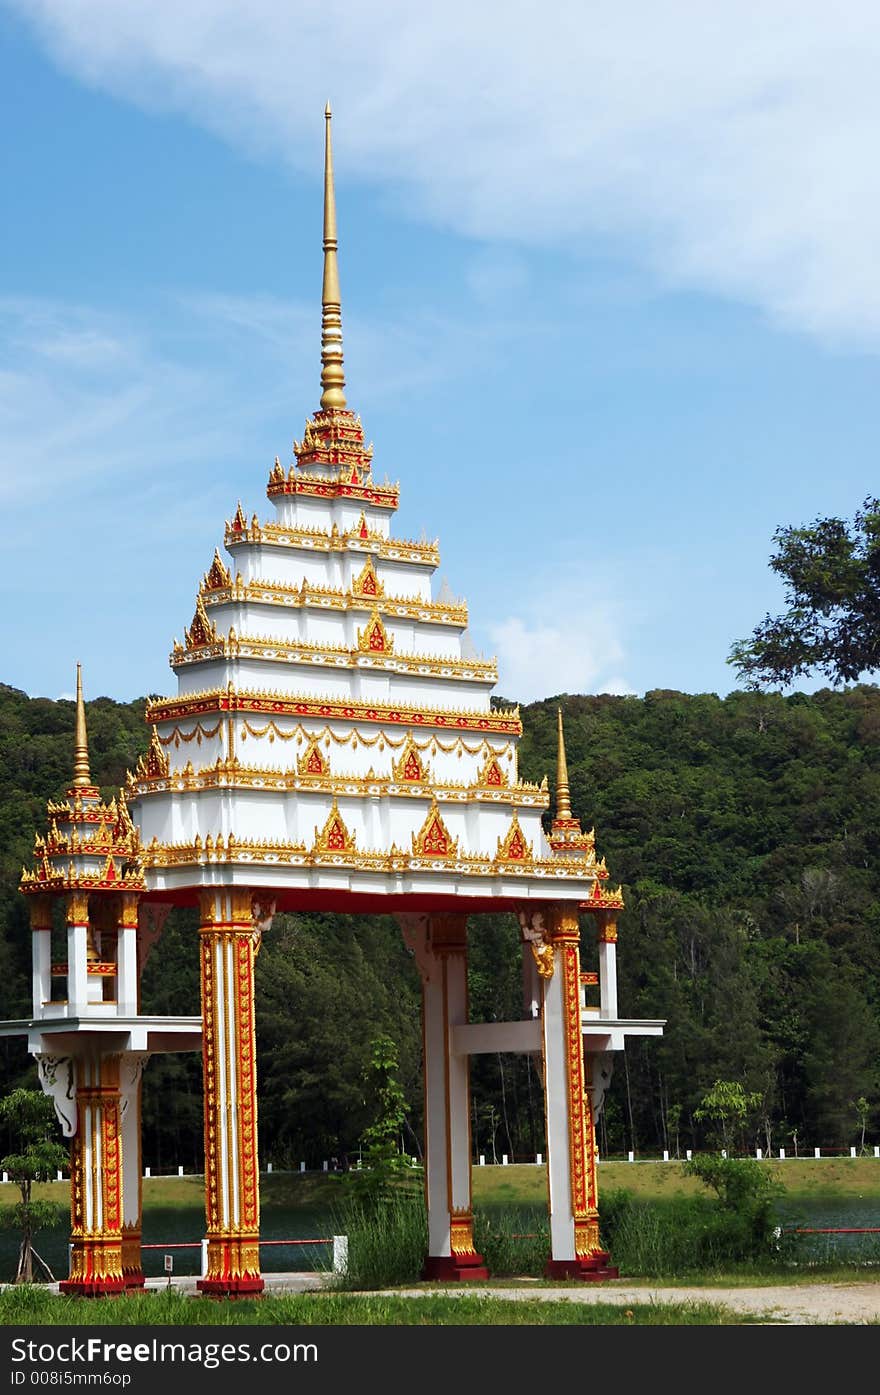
332,746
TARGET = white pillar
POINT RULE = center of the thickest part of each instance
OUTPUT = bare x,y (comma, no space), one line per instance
817,1152
41,953
688,1154
126,958
630,1157
758,1154
340,1254
608,970
782,1152
852,1152
504,1159
666,1155
439,943
77,953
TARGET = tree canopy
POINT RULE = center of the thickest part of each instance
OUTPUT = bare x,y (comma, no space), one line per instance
746,833
831,570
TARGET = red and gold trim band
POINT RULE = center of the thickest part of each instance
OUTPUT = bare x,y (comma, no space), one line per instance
506,722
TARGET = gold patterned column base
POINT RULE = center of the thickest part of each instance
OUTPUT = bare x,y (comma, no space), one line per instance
463,1262
95,1268
132,1267
233,1266
590,1262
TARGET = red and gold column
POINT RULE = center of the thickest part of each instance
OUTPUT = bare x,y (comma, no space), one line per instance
96,1182
228,940
575,1251
440,946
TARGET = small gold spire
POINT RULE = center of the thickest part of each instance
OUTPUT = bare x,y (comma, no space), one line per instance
81,777
332,376
563,798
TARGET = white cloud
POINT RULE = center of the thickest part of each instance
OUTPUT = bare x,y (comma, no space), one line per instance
728,147
558,644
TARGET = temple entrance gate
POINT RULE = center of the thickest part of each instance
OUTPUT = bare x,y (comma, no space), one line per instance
333,746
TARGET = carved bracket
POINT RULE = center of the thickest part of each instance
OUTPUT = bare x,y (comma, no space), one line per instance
262,915
58,1081
534,933
602,1069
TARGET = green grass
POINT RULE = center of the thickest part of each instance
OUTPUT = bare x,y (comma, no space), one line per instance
35,1307
523,1183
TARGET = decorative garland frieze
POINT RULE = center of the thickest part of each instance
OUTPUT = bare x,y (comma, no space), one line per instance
354,738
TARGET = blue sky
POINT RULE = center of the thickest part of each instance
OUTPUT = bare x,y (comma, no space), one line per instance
610,305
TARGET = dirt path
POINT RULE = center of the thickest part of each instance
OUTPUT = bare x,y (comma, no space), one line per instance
800,1303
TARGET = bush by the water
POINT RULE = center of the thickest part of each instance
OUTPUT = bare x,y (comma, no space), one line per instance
690,1234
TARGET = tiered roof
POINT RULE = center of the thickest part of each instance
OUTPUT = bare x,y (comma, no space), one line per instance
331,726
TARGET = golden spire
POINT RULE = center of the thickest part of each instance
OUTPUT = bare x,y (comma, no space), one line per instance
81,777
563,798
332,376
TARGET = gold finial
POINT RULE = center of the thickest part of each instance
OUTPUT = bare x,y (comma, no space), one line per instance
332,376
81,777
563,799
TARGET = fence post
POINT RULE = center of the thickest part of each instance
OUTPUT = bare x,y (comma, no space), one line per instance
817,1152
146,1172
60,1176
482,1160
503,1159
782,1152
180,1170
688,1154
666,1155
876,1150
302,1167
326,1165
204,1268
539,1158
852,1152
268,1167
340,1254
759,1153
630,1157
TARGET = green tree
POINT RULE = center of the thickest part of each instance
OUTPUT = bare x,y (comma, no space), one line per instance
728,1106
30,1119
831,571
383,1161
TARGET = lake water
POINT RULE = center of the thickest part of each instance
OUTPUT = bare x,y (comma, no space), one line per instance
181,1224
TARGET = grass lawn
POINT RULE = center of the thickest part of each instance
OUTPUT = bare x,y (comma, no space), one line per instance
521,1183
35,1307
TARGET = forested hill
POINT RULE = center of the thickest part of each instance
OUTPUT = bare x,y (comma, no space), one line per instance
746,833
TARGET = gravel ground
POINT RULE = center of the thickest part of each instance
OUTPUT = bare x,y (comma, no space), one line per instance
804,1304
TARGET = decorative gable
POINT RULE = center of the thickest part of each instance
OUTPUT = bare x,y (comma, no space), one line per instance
334,837
434,838
217,576
313,762
366,583
202,630
375,638
154,765
492,774
514,847
409,765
